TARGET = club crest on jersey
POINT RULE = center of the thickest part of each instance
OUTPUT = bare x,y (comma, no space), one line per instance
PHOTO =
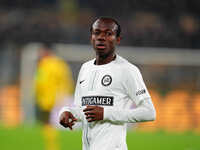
106,80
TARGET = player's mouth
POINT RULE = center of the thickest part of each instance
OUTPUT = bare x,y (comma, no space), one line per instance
100,46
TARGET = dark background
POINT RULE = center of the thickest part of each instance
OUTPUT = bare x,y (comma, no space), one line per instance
154,23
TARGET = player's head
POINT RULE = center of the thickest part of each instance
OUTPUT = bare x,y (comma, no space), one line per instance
105,35
118,27
46,49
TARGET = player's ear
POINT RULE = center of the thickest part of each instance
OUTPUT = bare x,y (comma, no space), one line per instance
118,40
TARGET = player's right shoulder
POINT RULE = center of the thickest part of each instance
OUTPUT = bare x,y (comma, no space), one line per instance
87,64
126,65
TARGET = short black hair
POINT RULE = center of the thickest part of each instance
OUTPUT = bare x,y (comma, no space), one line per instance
118,32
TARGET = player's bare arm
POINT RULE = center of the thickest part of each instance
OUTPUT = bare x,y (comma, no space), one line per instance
94,113
67,120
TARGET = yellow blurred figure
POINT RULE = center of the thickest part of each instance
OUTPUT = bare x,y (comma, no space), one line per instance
53,83
53,80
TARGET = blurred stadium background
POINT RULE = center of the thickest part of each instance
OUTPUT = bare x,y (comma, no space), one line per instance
161,37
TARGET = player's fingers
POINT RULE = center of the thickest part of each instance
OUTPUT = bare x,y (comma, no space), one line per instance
89,108
61,121
70,125
72,121
91,119
64,124
72,117
89,113
62,118
90,116
66,120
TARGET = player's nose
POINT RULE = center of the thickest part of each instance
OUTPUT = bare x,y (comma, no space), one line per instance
101,36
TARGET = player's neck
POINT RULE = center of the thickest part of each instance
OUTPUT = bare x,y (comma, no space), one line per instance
104,60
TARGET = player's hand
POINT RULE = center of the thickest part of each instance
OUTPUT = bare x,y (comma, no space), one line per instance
67,119
94,113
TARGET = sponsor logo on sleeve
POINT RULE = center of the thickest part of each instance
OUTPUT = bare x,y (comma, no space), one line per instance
106,80
97,100
140,92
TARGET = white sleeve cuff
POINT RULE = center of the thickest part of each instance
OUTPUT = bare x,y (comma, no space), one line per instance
63,110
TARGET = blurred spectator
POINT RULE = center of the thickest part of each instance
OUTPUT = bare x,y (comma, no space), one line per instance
24,4
148,29
53,82
189,33
153,24
146,25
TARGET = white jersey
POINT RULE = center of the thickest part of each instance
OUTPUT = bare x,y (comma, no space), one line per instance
114,86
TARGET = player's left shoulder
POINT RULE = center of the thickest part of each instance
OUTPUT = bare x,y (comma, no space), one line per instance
127,66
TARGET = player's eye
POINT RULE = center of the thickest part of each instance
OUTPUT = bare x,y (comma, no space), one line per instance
96,32
108,33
